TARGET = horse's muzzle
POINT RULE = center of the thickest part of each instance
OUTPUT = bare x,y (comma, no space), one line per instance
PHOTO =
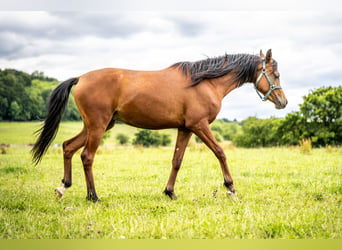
281,103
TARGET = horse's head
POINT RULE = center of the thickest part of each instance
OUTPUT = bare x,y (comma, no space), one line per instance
267,84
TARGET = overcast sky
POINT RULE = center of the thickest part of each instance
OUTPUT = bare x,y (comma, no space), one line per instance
306,43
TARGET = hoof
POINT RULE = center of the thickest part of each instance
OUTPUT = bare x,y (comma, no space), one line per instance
93,198
59,192
67,184
231,190
232,195
171,194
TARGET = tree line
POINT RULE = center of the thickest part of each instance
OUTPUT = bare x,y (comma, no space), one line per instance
319,119
23,97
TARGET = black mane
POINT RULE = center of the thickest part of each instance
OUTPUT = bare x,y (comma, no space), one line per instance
244,67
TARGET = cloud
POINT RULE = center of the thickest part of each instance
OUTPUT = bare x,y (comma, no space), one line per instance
306,44
99,24
28,33
187,25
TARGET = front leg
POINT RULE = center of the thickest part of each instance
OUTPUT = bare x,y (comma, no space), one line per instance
183,138
202,130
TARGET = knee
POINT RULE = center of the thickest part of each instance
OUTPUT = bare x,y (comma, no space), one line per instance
66,151
176,163
86,158
220,154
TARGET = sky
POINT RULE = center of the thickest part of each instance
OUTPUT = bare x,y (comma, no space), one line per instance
63,43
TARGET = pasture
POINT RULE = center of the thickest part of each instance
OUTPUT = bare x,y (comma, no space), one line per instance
283,193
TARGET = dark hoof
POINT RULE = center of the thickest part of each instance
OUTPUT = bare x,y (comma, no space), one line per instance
230,187
93,198
67,184
231,191
171,194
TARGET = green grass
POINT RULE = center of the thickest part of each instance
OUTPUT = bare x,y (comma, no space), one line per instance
20,133
282,192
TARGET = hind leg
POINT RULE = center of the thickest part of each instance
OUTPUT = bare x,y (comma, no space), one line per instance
69,148
96,128
87,156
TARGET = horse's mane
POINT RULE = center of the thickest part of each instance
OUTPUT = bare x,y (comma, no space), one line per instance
244,67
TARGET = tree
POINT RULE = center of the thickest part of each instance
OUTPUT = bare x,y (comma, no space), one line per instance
322,115
16,99
148,138
15,111
319,118
291,129
258,133
40,76
3,107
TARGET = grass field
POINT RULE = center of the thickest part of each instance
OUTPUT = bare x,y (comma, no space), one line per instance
282,192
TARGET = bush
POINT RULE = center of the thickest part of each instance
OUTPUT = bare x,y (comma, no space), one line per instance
258,133
165,140
305,146
148,138
224,129
122,139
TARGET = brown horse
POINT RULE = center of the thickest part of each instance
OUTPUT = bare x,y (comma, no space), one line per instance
186,96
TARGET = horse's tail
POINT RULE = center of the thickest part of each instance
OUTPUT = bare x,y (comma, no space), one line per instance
56,106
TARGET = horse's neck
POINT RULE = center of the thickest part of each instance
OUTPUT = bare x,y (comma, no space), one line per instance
225,84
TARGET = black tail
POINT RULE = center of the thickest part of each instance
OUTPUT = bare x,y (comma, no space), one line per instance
56,106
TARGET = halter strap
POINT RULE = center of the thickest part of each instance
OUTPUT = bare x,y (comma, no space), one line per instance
272,85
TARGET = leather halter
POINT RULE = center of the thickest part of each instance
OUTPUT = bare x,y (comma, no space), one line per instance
272,85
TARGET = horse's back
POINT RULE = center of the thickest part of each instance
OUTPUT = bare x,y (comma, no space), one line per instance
150,99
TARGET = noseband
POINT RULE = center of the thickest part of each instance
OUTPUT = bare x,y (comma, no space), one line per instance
272,85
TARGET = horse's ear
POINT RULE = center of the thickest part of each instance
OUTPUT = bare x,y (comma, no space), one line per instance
269,56
262,54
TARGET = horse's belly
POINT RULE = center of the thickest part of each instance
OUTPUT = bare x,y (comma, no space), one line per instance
148,122
150,115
